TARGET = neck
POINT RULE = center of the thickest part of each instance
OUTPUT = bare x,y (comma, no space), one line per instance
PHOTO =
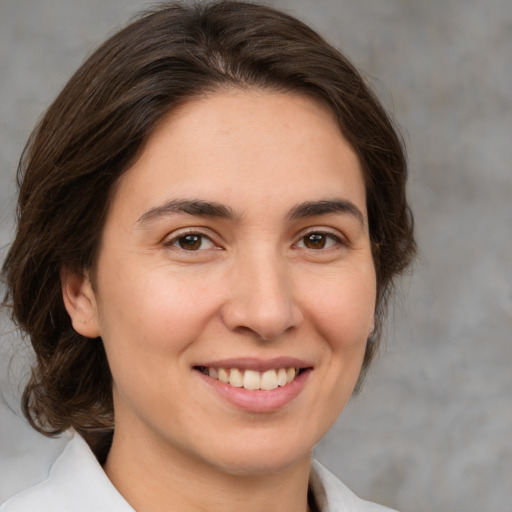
152,477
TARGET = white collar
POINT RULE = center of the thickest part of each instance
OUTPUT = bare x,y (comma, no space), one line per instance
332,495
77,483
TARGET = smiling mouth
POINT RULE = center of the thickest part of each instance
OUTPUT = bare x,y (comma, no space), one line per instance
251,379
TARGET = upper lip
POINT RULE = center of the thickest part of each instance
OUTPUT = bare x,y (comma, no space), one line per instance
261,365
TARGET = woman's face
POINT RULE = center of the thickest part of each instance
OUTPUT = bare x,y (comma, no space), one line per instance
236,248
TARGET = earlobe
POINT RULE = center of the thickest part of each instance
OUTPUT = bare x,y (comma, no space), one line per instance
80,302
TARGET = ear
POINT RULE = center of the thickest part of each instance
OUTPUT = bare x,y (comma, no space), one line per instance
80,302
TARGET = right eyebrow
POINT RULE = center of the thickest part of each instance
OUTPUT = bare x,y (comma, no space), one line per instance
326,207
195,207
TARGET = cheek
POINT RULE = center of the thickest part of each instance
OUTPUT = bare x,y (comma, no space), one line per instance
147,324
344,306
153,311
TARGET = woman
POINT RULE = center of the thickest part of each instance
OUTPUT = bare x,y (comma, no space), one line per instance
211,216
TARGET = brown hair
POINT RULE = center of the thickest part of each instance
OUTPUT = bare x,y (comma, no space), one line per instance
97,127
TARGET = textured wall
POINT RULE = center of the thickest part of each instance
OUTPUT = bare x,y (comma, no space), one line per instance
432,430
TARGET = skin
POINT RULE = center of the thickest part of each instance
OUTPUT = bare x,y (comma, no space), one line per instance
254,286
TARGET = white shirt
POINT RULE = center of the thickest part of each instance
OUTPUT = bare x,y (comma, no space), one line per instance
77,483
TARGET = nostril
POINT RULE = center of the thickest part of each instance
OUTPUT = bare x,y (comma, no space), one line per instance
261,305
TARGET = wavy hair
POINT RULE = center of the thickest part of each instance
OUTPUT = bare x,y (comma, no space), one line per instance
98,125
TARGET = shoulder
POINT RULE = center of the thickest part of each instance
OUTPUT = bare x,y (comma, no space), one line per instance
76,483
334,496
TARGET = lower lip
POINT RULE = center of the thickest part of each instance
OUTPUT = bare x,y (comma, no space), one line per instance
258,400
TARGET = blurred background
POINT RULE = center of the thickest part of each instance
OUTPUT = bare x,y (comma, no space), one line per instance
432,428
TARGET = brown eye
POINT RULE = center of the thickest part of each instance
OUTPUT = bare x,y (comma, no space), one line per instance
190,242
193,242
315,241
318,241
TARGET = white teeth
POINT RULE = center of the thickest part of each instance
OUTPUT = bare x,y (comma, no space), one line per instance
281,377
252,379
236,379
269,380
223,375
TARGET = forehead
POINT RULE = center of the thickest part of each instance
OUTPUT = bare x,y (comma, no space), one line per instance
244,148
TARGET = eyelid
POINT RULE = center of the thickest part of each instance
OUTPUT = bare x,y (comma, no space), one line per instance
334,234
171,238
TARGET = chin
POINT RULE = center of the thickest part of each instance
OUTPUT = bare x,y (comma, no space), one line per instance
262,456
263,466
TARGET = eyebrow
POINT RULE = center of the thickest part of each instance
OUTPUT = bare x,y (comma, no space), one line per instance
325,207
195,207
201,208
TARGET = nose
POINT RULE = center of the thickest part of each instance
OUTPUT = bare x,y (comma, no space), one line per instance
261,299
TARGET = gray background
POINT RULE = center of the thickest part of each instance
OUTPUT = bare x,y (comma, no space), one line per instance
432,429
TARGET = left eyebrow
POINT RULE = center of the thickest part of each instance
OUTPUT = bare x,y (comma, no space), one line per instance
326,207
189,207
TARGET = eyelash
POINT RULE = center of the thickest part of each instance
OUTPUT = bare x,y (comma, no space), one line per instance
175,240
323,236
